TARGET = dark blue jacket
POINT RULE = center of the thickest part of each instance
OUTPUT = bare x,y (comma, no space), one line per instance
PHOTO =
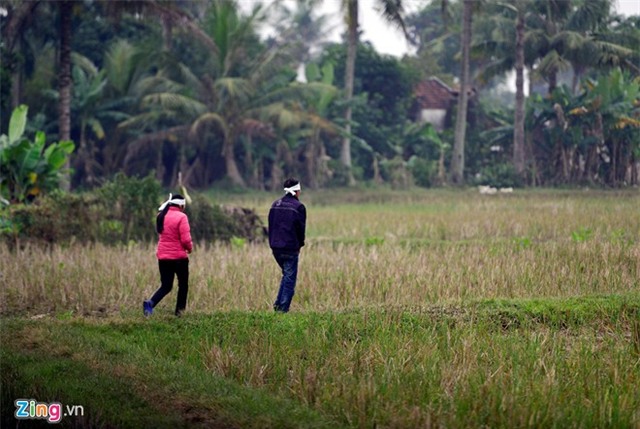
287,223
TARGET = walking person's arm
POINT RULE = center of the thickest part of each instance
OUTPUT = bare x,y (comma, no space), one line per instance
185,235
302,225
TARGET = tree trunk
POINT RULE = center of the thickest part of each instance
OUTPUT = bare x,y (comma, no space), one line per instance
250,165
167,33
312,159
230,163
457,163
352,46
64,78
277,175
518,126
12,30
377,177
17,80
553,80
441,170
85,157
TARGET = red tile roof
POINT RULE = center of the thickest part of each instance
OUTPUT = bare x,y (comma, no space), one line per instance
434,94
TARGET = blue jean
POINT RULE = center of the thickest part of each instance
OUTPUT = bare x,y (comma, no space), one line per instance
288,262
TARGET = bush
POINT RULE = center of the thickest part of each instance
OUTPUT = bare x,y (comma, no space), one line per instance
55,218
501,175
423,171
120,211
396,172
209,223
129,204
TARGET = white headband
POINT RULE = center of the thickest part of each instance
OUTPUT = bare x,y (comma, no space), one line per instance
292,190
171,200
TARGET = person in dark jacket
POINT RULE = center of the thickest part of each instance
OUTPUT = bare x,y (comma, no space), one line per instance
287,223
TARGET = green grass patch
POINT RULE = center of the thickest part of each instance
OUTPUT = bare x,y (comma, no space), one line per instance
494,363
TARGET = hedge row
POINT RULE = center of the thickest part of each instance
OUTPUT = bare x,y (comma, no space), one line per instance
121,211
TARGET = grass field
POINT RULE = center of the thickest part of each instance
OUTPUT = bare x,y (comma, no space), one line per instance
413,309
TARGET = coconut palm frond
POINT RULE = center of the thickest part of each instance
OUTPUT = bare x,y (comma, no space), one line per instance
614,49
154,138
284,116
84,63
234,87
255,127
293,91
567,41
190,80
120,65
536,41
589,15
392,11
495,68
156,84
143,120
175,103
552,61
209,119
97,128
323,124
499,136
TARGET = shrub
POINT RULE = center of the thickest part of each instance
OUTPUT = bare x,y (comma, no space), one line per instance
29,168
208,222
59,217
501,175
120,211
423,171
129,204
396,172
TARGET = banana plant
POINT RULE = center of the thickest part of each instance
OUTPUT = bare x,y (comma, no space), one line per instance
29,168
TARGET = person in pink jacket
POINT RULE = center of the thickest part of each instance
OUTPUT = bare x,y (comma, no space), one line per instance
174,246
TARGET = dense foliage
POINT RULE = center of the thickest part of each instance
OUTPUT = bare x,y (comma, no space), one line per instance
27,168
191,87
119,212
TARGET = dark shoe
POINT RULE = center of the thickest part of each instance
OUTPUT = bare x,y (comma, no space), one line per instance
147,308
179,313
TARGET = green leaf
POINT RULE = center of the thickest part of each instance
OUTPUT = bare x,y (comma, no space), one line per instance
56,158
67,146
17,123
56,154
312,72
40,140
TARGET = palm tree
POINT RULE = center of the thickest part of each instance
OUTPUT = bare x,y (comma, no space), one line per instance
95,105
65,82
508,54
318,103
518,120
568,34
392,11
457,161
301,24
235,99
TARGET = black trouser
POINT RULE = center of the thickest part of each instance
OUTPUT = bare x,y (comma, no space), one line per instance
168,269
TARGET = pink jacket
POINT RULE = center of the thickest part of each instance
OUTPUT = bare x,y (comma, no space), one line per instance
175,239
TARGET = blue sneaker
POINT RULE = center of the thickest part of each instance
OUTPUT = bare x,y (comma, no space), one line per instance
147,308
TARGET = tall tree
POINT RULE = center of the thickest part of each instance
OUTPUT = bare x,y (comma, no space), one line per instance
65,82
233,100
392,11
518,120
457,161
570,34
352,46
